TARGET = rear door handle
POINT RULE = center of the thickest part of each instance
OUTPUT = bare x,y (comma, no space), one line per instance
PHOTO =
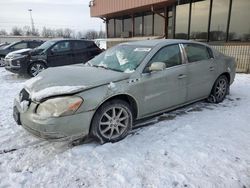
181,76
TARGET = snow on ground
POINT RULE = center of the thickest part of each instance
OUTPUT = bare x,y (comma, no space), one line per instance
201,145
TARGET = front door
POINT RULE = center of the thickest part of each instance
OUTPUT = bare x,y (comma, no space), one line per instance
167,88
60,54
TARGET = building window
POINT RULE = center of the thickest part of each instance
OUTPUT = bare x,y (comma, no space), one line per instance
219,18
159,23
138,26
182,20
148,24
170,23
127,27
111,28
118,27
239,25
199,20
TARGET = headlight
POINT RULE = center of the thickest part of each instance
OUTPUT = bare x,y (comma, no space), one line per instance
60,106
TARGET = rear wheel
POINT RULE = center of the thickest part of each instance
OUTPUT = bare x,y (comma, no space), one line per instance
220,90
36,68
112,121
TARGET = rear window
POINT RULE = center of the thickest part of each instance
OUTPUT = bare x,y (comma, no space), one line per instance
196,52
79,45
34,44
91,44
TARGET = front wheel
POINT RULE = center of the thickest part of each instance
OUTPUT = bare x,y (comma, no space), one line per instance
36,68
220,90
112,121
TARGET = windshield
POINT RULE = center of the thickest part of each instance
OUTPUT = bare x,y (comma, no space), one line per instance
5,47
122,58
46,45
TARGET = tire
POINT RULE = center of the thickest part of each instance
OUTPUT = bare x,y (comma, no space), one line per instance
35,68
112,121
220,90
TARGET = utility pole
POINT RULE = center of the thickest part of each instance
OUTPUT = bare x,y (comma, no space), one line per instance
32,22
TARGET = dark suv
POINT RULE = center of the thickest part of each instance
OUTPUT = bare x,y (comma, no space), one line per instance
18,46
51,54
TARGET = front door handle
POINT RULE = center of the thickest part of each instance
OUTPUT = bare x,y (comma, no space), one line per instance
211,68
181,76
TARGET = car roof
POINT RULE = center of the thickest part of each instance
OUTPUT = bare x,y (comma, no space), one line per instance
84,40
156,42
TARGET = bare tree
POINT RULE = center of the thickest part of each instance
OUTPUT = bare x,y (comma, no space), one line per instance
101,34
67,33
3,32
91,34
59,32
47,32
27,31
16,31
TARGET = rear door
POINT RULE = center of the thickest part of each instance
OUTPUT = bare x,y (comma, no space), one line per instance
60,54
80,52
201,71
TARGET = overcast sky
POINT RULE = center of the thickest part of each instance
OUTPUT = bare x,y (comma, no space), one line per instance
74,14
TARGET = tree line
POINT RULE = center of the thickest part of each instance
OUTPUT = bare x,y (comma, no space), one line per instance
55,33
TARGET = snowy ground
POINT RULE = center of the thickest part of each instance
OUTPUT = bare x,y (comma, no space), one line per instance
202,145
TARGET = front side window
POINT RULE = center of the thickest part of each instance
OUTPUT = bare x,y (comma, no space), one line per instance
170,55
20,46
122,58
196,52
61,47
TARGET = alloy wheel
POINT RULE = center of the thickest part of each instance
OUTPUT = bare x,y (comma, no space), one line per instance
36,69
114,122
221,89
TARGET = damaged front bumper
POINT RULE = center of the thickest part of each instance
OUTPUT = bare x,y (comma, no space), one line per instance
57,128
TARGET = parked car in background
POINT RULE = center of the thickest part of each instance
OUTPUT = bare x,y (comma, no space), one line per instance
125,83
3,44
18,46
53,53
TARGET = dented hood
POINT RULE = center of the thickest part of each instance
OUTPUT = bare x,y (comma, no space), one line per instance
69,80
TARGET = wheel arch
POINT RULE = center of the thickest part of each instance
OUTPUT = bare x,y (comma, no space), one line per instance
124,97
36,61
227,75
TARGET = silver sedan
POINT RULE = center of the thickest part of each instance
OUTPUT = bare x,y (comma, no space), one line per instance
128,82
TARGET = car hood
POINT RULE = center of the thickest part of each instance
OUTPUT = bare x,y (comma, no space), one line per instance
18,52
69,80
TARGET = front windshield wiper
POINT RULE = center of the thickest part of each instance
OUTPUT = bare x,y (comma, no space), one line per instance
104,67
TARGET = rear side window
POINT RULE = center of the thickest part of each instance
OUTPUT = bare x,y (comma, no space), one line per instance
79,45
196,52
170,55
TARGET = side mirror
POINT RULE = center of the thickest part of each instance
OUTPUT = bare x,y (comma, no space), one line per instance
51,52
157,66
